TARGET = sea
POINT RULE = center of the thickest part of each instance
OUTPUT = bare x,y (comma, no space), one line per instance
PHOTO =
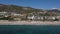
29,29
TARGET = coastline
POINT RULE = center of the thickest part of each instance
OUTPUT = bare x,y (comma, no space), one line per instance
6,22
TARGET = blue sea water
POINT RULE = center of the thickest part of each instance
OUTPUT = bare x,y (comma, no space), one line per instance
29,29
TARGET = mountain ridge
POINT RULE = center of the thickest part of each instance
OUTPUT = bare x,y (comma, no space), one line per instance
21,9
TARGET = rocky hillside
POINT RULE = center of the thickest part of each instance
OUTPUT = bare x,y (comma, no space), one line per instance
17,9
24,10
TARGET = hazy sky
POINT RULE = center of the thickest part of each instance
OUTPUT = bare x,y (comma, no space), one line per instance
44,4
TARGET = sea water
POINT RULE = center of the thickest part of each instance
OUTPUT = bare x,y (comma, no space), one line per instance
29,29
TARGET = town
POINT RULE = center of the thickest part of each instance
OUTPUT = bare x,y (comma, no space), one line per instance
20,13
40,16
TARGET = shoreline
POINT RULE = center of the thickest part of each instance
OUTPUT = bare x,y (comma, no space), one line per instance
6,22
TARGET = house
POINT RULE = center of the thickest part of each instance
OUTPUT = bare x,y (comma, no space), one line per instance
16,15
31,17
36,17
3,13
58,17
50,17
39,18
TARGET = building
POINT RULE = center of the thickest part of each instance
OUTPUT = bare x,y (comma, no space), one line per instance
40,17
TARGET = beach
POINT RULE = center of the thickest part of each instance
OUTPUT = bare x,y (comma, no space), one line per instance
6,22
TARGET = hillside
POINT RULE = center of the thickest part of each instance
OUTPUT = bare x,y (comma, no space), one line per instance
17,9
25,10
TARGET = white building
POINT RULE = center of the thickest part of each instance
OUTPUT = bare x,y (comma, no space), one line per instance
31,17
41,17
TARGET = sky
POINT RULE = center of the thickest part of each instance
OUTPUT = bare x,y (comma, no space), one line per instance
39,4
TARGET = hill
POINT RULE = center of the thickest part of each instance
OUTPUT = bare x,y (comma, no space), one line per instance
17,9
25,10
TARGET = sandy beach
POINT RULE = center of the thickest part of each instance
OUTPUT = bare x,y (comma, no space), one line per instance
6,22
